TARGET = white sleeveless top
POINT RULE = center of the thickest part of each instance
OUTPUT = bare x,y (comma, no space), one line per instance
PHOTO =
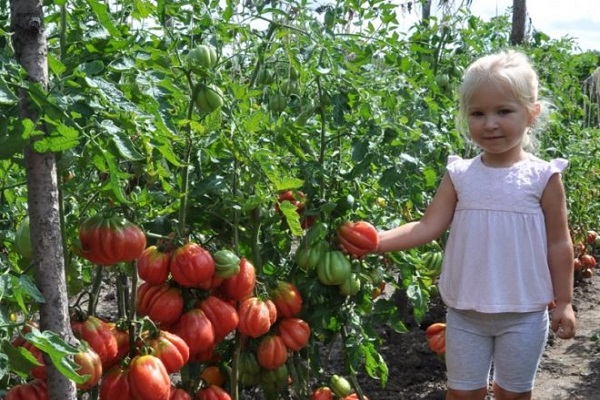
496,256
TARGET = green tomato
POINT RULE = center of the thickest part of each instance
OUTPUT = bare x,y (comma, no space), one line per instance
23,239
334,268
202,58
227,264
340,386
351,286
308,256
209,99
277,103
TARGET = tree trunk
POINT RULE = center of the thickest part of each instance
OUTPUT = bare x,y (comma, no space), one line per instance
519,17
29,40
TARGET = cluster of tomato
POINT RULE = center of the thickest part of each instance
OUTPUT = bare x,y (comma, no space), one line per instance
584,262
339,387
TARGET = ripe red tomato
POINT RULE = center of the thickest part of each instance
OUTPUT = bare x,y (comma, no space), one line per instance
295,332
240,286
287,299
272,310
172,350
98,334
587,261
196,330
436,337
297,199
90,364
110,240
221,314
34,390
322,393
271,352
192,265
179,394
115,385
591,237
212,392
354,396
334,268
358,238
122,336
255,317
212,375
162,303
148,378
153,265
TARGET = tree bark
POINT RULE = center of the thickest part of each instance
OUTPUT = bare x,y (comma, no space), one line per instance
29,41
519,17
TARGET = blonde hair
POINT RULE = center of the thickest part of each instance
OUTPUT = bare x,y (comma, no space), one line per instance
512,70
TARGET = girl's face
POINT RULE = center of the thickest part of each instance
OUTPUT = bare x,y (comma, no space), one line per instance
497,123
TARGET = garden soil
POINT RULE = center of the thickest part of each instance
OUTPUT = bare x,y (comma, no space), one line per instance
568,371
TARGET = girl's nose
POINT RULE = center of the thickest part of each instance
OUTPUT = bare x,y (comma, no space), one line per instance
490,122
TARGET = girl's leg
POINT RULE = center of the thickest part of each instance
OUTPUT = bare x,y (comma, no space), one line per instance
468,355
518,350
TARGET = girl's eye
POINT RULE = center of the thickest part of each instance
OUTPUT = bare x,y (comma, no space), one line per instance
504,112
476,114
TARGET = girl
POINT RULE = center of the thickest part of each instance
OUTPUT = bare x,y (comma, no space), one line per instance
509,253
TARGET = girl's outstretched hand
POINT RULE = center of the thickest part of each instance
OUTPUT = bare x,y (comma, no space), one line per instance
357,238
563,321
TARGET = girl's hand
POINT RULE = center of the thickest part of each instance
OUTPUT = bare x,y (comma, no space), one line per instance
563,321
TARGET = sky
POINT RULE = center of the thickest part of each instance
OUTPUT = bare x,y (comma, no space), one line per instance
577,19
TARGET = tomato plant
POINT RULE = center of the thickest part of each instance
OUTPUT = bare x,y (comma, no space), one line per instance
107,240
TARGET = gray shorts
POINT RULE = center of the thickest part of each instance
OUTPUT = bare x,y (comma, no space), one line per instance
512,342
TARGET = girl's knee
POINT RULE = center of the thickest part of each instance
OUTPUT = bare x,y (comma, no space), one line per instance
502,394
477,394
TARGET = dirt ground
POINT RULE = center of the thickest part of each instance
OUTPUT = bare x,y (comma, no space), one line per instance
568,371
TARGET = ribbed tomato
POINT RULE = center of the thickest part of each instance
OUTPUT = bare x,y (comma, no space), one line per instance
295,332
212,392
358,238
115,385
122,336
354,396
153,265
90,364
34,390
179,394
196,330
271,352
255,317
227,263
334,268
287,299
192,265
162,303
98,334
172,350
110,240
221,314
241,285
436,337
212,375
148,378
249,369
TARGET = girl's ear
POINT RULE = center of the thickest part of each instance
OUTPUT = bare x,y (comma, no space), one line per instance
537,108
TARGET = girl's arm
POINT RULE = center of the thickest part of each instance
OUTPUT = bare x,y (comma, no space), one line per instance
434,222
560,256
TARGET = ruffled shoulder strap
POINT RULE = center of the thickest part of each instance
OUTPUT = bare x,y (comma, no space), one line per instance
558,164
453,158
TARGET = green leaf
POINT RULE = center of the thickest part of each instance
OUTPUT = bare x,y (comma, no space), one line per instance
124,145
292,217
103,15
268,165
6,95
30,288
59,350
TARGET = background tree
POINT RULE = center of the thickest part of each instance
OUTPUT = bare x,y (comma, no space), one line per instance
519,19
29,41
